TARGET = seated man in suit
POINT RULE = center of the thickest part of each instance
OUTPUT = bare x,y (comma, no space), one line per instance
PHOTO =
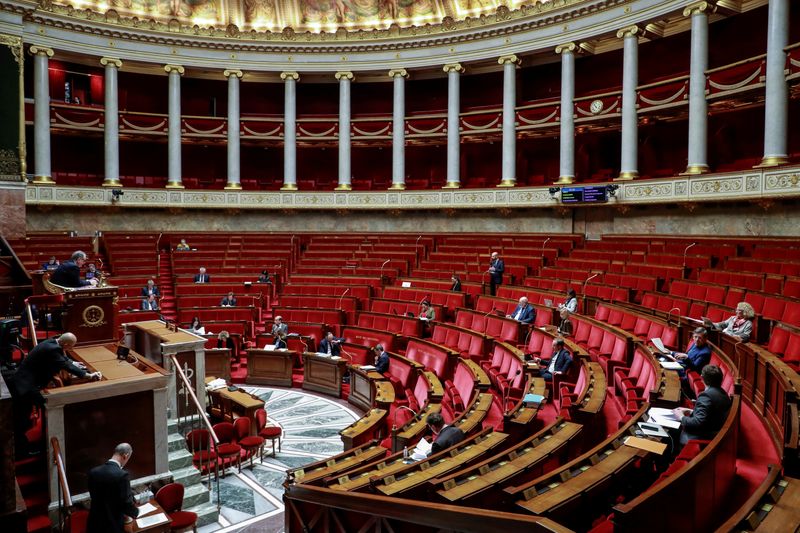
444,436
201,276
110,490
52,264
279,326
524,313
330,345
228,301
710,409
68,273
149,289
150,303
381,359
697,356
558,364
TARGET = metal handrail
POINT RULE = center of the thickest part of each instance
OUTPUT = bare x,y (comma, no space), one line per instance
64,496
31,325
200,410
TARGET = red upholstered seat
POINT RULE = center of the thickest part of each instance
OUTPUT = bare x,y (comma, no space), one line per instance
170,497
270,433
250,444
227,449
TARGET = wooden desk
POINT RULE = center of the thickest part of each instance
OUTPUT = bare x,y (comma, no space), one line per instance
163,527
481,378
314,473
270,367
411,432
435,388
323,374
363,387
242,402
364,429
218,362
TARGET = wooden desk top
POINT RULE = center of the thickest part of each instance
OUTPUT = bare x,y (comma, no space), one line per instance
596,390
784,512
132,527
481,378
364,455
418,425
368,420
436,388
239,397
157,328
384,392
103,358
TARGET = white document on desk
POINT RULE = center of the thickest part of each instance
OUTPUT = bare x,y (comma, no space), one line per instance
659,344
367,367
422,451
146,509
671,365
152,520
663,417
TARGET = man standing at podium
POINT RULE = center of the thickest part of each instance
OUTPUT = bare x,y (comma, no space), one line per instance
68,273
110,490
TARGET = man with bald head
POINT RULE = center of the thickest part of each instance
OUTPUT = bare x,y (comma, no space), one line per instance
46,360
111,494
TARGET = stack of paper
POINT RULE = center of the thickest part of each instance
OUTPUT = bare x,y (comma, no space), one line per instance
218,383
671,365
422,450
152,520
659,344
367,367
146,509
663,417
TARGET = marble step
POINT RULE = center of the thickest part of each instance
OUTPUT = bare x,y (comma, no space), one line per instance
175,441
179,459
172,426
186,476
207,513
195,495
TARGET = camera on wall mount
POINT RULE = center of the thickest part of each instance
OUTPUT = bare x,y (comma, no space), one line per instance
116,195
612,189
554,192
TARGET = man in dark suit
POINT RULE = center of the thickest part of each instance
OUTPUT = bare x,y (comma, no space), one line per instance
381,359
201,276
524,313
444,436
710,409
68,273
110,490
456,286
496,268
330,345
558,364
150,289
228,301
46,360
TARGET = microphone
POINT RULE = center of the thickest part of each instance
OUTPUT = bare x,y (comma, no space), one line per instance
305,345
507,392
543,245
342,351
490,311
394,422
685,251
342,296
669,313
416,249
525,343
590,278
383,265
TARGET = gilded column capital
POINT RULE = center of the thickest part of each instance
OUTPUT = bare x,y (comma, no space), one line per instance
453,67
398,73
290,75
566,48
41,51
174,68
345,75
699,7
633,30
233,72
512,58
113,61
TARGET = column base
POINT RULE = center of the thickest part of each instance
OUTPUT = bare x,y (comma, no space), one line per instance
233,186
772,161
507,183
175,185
627,175
452,185
289,187
43,180
112,183
695,170
565,180
344,187
397,187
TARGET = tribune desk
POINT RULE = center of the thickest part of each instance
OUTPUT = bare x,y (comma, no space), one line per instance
323,373
270,367
90,418
369,389
154,340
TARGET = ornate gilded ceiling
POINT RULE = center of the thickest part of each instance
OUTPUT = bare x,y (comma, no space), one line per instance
306,15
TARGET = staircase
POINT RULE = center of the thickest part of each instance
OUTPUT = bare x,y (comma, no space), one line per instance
196,496
167,287
32,478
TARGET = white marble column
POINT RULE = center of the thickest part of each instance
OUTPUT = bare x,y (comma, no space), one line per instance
234,150
41,118
776,106
111,126
345,168
698,106
566,174
289,130
454,71
174,180
629,161
399,76
509,170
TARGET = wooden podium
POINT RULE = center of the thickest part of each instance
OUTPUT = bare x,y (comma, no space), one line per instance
270,367
323,373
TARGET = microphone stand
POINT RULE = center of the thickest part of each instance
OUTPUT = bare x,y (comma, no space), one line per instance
342,297
394,423
416,249
669,314
383,265
685,251
543,245
507,392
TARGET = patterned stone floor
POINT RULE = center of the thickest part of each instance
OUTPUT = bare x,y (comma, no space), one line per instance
252,500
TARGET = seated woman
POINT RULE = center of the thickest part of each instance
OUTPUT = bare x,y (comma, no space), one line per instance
565,326
264,277
739,326
427,312
571,303
224,340
197,327
182,246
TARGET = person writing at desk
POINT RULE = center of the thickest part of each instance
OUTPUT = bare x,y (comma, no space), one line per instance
330,345
228,301
42,363
68,274
559,362
444,436
426,312
524,313
710,409
52,264
201,276
150,289
381,359
111,494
